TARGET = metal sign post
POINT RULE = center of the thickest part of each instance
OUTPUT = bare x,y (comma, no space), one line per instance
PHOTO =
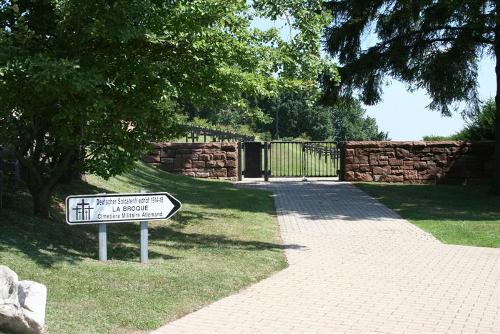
120,208
144,242
103,247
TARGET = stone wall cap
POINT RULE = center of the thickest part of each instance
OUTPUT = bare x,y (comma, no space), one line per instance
419,143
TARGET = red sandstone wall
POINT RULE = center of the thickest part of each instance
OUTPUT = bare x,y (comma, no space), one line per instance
418,161
203,160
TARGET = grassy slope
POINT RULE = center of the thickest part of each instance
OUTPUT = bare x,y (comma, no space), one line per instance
463,215
223,239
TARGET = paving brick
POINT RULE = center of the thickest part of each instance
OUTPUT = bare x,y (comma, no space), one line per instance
355,266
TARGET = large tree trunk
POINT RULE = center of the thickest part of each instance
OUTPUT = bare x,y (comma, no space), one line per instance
41,203
41,187
495,189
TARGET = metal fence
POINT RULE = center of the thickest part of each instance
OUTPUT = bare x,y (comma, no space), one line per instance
199,134
290,159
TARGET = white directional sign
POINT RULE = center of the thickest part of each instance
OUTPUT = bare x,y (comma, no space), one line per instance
116,208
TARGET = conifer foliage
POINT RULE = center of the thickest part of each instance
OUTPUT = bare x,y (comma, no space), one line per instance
433,45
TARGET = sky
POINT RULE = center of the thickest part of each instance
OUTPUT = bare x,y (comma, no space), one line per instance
404,114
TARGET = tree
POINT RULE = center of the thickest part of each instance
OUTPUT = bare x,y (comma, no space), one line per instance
433,45
350,123
88,85
295,113
481,126
298,113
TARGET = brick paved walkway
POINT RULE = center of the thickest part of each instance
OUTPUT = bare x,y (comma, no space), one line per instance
361,269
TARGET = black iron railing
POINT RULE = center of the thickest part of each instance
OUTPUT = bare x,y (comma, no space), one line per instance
199,134
291,159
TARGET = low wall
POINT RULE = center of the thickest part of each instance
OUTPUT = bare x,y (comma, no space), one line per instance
418,161
203,160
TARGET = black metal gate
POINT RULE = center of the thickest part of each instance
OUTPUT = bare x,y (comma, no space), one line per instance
291,159
253,159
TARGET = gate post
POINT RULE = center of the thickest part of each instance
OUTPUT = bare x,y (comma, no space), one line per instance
240,162
342,149
266,161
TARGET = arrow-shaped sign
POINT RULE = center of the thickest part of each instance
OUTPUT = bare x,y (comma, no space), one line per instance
118,208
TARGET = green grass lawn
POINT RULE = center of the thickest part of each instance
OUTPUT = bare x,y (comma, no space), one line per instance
223,240
461,215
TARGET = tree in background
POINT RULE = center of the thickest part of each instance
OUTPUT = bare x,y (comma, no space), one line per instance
434,45
298,113
88,85
294,114
480,126
350,123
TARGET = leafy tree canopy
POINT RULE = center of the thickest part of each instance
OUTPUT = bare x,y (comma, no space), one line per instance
480,126
351,123
298,113
87,85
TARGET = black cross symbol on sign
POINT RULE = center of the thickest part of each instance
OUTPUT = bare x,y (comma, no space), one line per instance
83,210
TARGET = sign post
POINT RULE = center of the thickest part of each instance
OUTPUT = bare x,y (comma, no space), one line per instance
102,209
144,242
144,239
103,236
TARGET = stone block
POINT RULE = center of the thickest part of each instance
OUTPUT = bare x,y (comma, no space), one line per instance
219,156
198,164
229,147
349,176
349,152
402,153
366,177
422,165
351,167
211,164
231,163
364,168
395,162
232,172
410,175
231,155
202,174
205,157
438,149
213,145
392,178
221,172
361,159
381,170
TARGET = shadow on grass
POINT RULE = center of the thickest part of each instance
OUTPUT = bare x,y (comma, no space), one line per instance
437,202
49,242
414,202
